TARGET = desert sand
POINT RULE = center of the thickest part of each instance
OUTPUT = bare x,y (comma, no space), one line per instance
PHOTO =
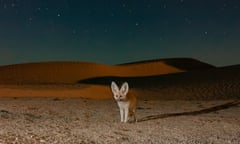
65,120
180,101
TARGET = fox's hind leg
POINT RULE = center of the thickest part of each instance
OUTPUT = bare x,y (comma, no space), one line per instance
135,119
132,114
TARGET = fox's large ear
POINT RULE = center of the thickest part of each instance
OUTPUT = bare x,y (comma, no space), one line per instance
124,88
114,88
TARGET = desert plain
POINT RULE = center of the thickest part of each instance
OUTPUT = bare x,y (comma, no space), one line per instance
180,100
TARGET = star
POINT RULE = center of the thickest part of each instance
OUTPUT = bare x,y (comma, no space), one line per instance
112,15
164,6
74,31
13,5
29,20
105,30
224,5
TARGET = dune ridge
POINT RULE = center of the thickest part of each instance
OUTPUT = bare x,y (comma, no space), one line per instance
231,73
211,84
167,79
72,72
186,64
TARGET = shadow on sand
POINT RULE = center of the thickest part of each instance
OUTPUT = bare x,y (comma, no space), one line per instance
192,113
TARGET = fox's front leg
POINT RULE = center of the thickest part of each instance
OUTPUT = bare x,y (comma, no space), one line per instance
121,114
126,115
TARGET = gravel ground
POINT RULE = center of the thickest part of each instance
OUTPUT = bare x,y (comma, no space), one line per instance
78,120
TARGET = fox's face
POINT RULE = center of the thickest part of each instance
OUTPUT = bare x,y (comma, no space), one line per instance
119,94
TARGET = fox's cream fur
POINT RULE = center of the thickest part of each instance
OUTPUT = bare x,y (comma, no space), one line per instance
127,102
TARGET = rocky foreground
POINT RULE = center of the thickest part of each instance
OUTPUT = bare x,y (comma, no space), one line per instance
78,120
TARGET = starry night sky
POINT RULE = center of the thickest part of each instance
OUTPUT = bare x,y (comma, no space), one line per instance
119,31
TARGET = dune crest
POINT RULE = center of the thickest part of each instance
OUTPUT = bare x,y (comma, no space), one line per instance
72,72
162,79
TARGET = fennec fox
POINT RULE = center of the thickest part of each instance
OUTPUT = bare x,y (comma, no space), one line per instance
127,103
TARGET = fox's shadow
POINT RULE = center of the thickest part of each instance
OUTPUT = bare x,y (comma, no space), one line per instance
191,113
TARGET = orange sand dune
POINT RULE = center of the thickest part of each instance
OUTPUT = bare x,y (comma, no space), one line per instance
61,79
72,72
51,72
64,91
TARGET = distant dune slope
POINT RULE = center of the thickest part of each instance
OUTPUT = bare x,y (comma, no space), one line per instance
231,73
49,72
218,83
72,72
168,79
186,64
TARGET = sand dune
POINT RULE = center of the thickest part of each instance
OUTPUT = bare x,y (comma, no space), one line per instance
56,90
186,64
72,72
214,84
218,83
184,79
59,79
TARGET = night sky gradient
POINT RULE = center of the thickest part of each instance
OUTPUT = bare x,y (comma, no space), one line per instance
119,31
